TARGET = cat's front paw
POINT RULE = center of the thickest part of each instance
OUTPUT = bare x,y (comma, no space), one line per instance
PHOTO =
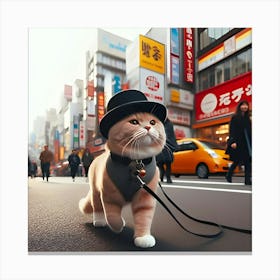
145,241
99,219
116,224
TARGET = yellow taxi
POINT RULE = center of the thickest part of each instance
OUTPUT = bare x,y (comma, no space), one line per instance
199,156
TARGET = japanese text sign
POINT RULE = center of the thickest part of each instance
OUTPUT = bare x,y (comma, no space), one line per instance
222,100
152,54
189,55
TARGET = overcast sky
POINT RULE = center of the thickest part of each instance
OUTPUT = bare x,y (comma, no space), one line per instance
57,57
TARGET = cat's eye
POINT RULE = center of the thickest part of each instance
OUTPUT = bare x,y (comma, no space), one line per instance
152,122
134,122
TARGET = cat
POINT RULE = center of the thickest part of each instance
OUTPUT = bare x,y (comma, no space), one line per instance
139,136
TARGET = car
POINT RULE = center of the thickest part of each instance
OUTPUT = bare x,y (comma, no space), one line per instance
201,157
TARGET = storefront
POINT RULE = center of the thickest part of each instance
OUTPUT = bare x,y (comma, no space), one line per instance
215,106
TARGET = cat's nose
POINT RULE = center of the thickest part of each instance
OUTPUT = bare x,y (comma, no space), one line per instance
147,127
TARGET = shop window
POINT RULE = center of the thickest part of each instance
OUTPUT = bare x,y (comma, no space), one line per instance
211,78
217,133
209,35
204,39
219,74
203,81
227,70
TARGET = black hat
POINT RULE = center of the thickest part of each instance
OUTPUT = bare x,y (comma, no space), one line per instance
127,102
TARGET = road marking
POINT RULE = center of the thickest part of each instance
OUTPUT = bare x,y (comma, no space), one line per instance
204,188
68,180
206,182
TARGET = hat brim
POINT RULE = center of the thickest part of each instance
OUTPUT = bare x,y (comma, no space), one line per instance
122,111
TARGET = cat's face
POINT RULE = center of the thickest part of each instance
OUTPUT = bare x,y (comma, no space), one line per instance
138,136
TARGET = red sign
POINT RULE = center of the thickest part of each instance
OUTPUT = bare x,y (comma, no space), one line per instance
125,86
222,100
188,55
101,105
90,89
152,83
68,92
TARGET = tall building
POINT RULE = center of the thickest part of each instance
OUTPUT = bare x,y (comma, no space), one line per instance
105,75
223,78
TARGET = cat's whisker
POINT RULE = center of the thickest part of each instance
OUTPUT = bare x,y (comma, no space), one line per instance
132,139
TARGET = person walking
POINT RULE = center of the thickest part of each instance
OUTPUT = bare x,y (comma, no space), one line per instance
87,159
46,157
29,167
74,162
239,145
34,169
165,158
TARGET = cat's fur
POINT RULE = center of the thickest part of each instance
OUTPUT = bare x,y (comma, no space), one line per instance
136,137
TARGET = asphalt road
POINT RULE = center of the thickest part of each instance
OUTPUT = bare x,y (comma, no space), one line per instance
55,224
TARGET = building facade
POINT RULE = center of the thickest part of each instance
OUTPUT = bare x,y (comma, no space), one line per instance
223,79
105,75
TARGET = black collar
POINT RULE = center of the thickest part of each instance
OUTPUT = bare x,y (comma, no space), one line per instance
127,160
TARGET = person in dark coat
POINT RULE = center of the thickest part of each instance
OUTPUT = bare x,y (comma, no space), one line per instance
239,145
74,162
165,158
46,157
34,169
87,159
29,167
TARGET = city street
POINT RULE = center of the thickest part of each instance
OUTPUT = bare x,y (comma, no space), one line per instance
56,225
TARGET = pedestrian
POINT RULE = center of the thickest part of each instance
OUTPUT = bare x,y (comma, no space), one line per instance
74,162
34,169
165,158
87,159
29,167
239,144
46,157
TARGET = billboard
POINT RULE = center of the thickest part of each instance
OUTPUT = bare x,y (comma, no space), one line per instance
152,54
112,44
152,85
221,101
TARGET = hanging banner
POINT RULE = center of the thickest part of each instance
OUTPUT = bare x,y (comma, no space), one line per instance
90,89
100,106
189,54
82,137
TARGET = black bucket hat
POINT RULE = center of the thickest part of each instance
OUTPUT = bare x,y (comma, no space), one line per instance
127,102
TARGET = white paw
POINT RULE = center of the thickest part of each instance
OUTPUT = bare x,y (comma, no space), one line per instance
99,219
145,241
82,205
99,223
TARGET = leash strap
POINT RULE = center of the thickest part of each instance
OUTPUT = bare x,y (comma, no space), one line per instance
144,186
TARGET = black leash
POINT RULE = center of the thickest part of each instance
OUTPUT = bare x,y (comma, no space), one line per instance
221,227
